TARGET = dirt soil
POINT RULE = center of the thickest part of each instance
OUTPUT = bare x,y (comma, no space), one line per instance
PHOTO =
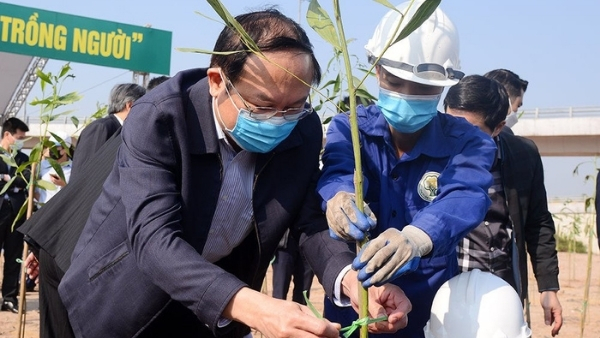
572,280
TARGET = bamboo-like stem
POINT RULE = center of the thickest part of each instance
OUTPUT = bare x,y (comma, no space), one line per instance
22,288
358,177
588,279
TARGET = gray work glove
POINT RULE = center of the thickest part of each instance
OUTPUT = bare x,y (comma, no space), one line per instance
346,222
390,255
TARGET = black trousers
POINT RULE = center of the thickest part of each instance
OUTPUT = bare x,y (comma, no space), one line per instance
289,262
12,243
54,320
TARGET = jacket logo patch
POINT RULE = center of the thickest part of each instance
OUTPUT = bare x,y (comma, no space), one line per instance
428,187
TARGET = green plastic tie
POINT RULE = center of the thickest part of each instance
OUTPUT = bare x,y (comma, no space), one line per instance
349,329
310,306
360,322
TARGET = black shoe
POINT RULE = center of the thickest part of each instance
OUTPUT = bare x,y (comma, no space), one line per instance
10,306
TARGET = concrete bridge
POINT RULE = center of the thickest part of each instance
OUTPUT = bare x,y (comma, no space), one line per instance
62,123
562,131
573,131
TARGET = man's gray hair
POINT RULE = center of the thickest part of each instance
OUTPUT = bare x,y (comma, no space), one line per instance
123,93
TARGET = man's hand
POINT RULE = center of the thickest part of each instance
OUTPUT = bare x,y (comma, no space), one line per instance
387,300
552,310
57,181
33,266
390,255
345,221
277,318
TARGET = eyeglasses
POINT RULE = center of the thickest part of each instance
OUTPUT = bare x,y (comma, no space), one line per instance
265,113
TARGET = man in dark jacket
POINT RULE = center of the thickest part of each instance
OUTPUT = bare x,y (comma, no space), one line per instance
94,135
59,224
518,217
13,186
215,165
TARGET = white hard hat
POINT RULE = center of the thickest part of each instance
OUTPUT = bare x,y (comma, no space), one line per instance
476,304
429,55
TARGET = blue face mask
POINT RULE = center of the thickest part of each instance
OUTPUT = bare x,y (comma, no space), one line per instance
259,136
407,113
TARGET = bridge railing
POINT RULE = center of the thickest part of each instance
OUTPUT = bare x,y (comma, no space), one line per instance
64,120
560,112
527,114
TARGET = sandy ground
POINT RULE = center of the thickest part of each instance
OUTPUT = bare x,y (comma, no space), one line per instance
572,279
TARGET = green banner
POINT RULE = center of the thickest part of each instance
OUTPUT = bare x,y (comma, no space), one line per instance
36,32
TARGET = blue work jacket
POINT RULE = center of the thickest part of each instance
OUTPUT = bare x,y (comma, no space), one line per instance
440,186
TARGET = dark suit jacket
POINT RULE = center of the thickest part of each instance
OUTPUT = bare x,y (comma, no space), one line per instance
56,227
140,248
17,198
523,176
92,137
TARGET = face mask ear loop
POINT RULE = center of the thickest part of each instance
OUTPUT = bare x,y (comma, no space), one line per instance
216,109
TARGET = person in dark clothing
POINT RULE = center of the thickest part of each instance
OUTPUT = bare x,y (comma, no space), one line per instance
518,221
216,164
515,87
290,263
14,195
94,135
155,81
54,255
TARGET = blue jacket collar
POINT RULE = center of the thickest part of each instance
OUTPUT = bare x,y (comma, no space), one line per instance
372,122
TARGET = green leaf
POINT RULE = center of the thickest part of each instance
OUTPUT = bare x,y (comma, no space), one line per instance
36,102
364,96
60,140
230,21
387,4
6,185
69,98
22,211
321,23
8,160
208,17
57,167
206,51
43,76
588,203
75,121
421,15
36,152
102,110
328,83
337,84
49,186
65,69
24,167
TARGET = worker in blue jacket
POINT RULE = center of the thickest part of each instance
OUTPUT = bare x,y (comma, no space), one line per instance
425,174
